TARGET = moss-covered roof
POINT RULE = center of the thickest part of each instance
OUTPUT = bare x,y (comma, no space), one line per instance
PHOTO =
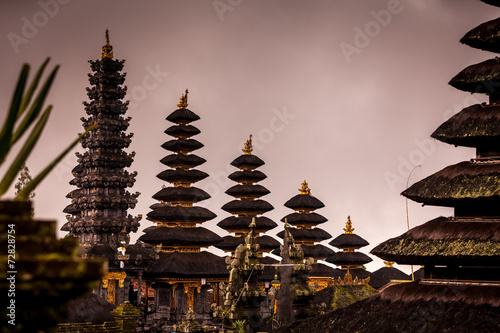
337,297
475,126
485,36
458,183
481,78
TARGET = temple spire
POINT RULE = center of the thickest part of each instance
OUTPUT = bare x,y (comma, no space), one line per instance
248,146
183,101
107,49
348,226
305,188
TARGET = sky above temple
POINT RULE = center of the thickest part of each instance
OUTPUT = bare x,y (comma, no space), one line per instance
343,94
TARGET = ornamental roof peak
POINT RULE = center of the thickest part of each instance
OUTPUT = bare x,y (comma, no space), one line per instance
348,226
107,49
248,146
183,101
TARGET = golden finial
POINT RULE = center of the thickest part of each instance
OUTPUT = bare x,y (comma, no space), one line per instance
107,49
389,263
253,225
248,146
305,188
348,226
183,101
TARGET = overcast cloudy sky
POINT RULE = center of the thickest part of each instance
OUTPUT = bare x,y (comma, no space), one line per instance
343,94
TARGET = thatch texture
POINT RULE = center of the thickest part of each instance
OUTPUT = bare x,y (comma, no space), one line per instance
485,36
181,194
317,251
441,241
181,145
185,161
181,175
90,308
348,258
344,241
322,270
180,214
230,243
412,307
384,275
475,126
188,265
304,202
262,223
303,234
460,182
182,116
337,297
182,131
247,162
309,219
247,207
247,191
180,236
247,176
481,78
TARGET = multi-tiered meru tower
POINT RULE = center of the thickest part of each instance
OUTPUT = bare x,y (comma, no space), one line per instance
183,273
98,209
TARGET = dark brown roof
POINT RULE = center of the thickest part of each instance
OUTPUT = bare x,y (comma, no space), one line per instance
384,275
314,234
90,308
65,227
184,131
317,251
304,202
242,222
183,194
482,78
492,2
188,265
459,182
247,162
304,219
181,214
246,207
322,270
243,176
485,36
413,307
444,241
181,175
182,116
181,145
230,243
247,191
179,160
348,258
70,209
180,236
475,126
348,240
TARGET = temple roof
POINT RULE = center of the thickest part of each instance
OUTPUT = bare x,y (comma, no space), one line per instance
181,194
317,251
314,234
344,241
180,214
90,308
322,270
242,176
479,78
247,191
348,258
182,176
188,265
304,219
304,202
182,145
474,126
444,241
247,162
182,131
230,243
182,161
492,2
460,182
485,36
195,237
384,275
247,207
262,223
182,116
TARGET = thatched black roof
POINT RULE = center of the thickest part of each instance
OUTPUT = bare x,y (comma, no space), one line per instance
180,214
180,236
102,251
247,162
230,243
345,241
339,296
413,307
181,175
475,126
188,265
384,275
184,131
485,36
317,251
457,183
184,161
492,2
303,234
269,271
262,223
322,270
182,116
348,258
443,241
181,194
90,308
245,207
482,78
65,227
181,145
304,202
70,209
304,219
247,191
247,176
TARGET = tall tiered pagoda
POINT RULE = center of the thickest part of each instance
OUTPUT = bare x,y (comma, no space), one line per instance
349,258
183,273
98,209
246,206
306,233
